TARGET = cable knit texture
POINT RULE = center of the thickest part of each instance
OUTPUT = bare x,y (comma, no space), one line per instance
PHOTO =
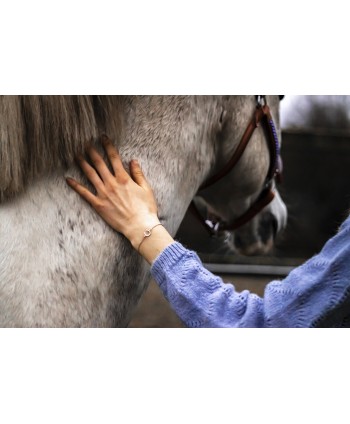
316,294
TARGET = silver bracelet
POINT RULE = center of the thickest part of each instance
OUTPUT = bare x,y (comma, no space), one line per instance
147,233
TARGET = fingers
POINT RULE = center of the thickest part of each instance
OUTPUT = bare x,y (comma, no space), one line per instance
91,174
117,165
83,191
113,155
137,174
99,164
120,173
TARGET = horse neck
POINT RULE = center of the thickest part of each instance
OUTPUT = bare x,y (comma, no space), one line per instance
171,137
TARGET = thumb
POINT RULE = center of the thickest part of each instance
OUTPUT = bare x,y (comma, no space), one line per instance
137,174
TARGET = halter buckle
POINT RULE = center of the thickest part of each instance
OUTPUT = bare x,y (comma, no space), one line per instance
261,101
213,227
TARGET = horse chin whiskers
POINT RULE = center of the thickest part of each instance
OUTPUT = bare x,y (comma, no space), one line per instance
257,248
249,242
236,245
228,241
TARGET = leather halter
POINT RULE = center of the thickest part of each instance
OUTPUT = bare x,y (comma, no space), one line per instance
262,116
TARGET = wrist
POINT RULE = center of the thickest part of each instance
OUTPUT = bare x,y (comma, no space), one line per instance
151,246
138,230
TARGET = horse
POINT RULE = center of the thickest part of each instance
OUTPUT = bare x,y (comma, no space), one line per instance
60,264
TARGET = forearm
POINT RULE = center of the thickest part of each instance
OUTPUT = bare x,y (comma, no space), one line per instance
314,294
200,298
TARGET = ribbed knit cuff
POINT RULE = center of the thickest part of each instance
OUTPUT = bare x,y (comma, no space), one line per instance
166,259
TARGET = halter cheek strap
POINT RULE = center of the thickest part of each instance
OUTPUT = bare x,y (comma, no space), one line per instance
262,115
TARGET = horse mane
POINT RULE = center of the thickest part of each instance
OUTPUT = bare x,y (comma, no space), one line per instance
42,133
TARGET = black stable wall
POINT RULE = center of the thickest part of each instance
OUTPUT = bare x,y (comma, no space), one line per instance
315,189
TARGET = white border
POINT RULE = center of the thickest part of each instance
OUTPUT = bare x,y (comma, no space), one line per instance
173,47
182,47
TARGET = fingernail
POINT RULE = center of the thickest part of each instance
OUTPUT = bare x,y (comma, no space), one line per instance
69,179
104,138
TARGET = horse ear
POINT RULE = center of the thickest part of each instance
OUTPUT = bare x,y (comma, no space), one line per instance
280,97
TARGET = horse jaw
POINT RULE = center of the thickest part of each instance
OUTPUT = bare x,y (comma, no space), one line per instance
258,236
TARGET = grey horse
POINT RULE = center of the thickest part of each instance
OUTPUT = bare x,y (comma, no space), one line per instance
60,264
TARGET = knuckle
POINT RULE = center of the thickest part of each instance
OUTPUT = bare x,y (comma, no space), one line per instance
138,170
89,172
97,159
113,155
123,179
108,187
98,205
83,190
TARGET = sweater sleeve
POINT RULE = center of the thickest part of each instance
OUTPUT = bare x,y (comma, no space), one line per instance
200,298
314,294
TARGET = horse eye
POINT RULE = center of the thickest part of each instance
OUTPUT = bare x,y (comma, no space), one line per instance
280,97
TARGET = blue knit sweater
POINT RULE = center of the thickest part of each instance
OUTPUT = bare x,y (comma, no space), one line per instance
316,294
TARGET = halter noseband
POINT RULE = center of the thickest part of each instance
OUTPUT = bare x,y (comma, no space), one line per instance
262,115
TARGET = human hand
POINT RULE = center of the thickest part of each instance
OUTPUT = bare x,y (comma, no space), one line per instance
126,203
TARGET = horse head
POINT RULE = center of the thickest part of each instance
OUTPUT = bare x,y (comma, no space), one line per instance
240,192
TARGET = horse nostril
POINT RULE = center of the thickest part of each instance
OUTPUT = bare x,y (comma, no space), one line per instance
238,241
274,225
268,227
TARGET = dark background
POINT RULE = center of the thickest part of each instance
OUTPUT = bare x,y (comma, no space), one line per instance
315,190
